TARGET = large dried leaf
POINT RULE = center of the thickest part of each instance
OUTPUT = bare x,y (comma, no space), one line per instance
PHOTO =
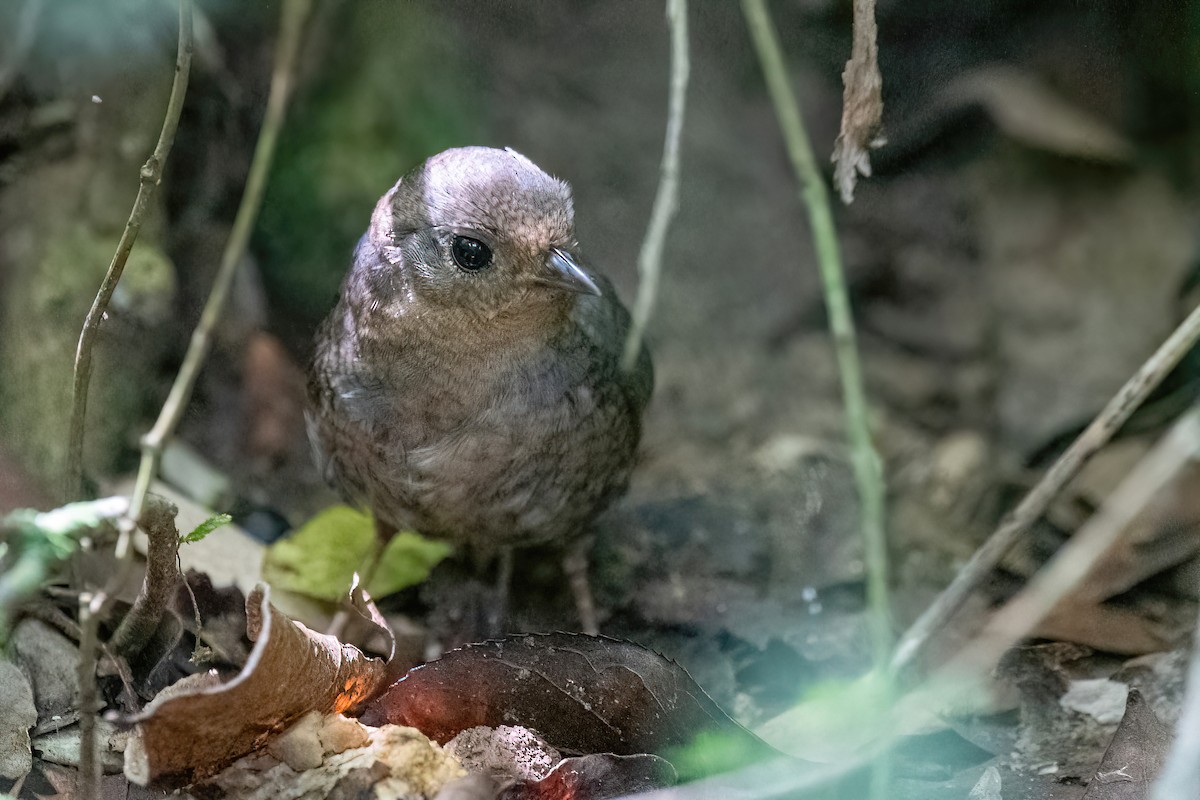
1134,758
200,725
583,694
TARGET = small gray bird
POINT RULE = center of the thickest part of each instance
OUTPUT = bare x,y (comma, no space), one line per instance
468,383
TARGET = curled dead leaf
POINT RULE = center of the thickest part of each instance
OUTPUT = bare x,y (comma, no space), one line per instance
200,725
583,694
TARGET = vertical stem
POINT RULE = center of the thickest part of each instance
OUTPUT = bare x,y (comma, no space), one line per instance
666,199
151,176
868,471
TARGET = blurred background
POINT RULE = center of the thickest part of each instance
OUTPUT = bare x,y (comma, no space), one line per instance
1029,236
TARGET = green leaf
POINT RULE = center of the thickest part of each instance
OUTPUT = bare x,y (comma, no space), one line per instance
205,528
319,560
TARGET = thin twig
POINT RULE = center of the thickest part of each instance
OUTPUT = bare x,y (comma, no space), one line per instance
1071,565
1034,504
868,472
666,199
151,175
1181,773
294,13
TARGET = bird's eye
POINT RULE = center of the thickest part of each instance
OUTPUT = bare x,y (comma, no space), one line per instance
470,254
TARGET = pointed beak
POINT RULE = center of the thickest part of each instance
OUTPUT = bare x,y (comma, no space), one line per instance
564,272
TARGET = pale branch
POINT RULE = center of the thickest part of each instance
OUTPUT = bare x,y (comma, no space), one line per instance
1034,504
150,176
294,13
666,199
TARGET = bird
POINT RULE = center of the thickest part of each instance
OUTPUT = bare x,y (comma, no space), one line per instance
468,383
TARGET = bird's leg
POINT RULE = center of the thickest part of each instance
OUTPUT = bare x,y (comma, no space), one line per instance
575,565
498,615
383,534
384,531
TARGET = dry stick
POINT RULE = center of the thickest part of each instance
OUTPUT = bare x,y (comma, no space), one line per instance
293,15
868,472
1071,565
151,175
1181,774
291,26
1035,503
666,199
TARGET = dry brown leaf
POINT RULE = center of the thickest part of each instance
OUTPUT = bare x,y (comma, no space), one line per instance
1104,627
1029,112
199,726
862,105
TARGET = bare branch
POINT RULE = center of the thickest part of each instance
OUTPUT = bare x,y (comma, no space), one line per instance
151,175
1071,565
666,199
294,14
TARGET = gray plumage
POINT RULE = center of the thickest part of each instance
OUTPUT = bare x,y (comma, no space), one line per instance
484,406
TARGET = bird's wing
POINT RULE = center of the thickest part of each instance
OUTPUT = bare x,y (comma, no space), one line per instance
605,322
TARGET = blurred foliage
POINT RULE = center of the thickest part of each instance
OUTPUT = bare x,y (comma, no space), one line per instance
391,89
319,560
39,326
32,543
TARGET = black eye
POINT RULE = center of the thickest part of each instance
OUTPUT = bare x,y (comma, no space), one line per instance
470,254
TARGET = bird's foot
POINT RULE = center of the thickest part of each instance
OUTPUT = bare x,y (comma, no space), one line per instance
575,565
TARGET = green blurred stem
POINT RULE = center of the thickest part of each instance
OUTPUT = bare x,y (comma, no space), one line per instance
151,176
291,27
666,199
868,471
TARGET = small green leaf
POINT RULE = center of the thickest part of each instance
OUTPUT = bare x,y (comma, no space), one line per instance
319,560
205,528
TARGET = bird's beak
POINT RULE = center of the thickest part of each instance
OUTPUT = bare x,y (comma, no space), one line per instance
565,273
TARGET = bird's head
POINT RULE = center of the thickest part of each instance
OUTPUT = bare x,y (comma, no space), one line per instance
483,230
